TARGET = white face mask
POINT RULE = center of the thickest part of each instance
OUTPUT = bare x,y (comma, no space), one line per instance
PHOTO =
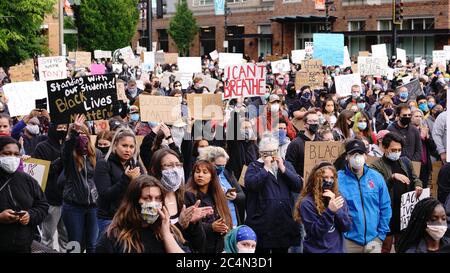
149,211
357,161
394,156
172,179
246,250
436,231
9,163
33,129
275,107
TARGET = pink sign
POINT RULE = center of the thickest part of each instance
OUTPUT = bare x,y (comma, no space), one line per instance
97,69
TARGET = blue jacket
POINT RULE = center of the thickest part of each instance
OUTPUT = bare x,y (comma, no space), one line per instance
324,233
270,205
368,203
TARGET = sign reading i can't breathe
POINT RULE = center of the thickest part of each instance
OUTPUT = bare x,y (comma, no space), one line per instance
94,96
248,80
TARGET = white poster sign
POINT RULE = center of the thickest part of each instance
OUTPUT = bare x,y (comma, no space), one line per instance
22,96
408,202
52,68
344,84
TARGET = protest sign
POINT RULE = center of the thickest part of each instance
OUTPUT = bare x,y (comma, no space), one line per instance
413,87
344,84
117,68
347,61
228,59
97,69
160,108
364,53
272,58
100,54
149,61
121,91
448,135
82,59
311,74
248,80
329,48
219,7
185,79
205,106
171,58
22,96
373,66
22,72
38,169
318,151
214,55
281,66
401,55
127,54
298,56
319,4
210,83
408,202
379,50
94,96
160,58
52,68
309,49
190,64
440,59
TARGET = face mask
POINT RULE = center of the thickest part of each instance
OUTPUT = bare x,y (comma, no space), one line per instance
362,125
313,128
361,105
282,136
134,117
405,121
403,95
306,96
82,145
220,169
436,231
9,163
152,124
355,95
327,184
61,134
423,107
266,96
133,91
172,179
274,107
389,111
149,211
280,81
104,150
357,161
394,156
351,124
200,150
431,105
32,129
246,250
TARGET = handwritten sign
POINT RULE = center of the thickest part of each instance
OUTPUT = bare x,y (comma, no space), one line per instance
309,49
149,61
101,126
379,50
408,202
22,96
121,91
318,151
97,69
440,58
38,169
311,74
281,66
83,59
373,66
205,106
401,55
190,64
298,56
214,55
229,59
347,61
52,68
159,108
329,48
344,84
127,54
160,58
94,96
22,72
100,54
171,58
248,80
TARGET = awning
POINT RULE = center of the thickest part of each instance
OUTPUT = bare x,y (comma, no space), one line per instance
301,18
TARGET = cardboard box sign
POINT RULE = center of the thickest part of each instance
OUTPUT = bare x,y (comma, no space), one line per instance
38,169
160,108
205,106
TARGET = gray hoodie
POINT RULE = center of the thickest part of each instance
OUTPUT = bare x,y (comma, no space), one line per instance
440,132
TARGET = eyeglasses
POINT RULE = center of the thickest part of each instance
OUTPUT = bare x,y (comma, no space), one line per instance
172,165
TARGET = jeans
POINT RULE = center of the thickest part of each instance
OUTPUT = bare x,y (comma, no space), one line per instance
299,247
51,223
81,225
102,226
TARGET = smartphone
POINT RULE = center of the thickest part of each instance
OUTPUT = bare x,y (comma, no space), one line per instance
20,213
231,190
131,163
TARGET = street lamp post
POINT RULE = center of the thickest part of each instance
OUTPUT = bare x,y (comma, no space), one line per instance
226,13
328,4
149,25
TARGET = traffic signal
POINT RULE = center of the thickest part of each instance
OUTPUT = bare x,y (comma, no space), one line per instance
397,12
161,8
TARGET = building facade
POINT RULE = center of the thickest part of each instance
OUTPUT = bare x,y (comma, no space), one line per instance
257,27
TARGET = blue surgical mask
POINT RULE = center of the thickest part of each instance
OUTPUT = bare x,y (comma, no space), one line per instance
431,105
135,117
282,136
423,107
220,169
361,105
362,125
152,124
403,95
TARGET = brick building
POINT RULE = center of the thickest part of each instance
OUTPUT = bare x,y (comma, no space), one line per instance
279,26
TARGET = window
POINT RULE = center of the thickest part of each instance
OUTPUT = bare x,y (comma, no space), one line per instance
197,3
385,25
417,46
304,33
356,25
235,40
207,40
356,44
418,24
264,44
163,39
236,1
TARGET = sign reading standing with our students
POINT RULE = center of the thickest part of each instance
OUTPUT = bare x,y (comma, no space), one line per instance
248,80
94,96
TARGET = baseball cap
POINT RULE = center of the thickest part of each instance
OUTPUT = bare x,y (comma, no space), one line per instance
355,145
274,97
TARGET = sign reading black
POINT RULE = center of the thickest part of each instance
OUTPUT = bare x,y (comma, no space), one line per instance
94,96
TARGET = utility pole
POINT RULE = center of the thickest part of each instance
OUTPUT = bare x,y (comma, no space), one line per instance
328,4
149,25
61,27
225,41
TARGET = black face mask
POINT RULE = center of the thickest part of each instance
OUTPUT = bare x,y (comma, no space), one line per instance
351,124
61,134
389,111
405,121
104,150
313,128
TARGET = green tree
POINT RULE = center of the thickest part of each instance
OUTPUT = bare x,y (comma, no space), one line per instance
20,30
183,28
106,24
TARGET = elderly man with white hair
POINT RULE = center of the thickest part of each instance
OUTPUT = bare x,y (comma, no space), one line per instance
270,182
231,188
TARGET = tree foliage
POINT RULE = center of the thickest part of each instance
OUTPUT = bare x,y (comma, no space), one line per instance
106,24
183,28
20,30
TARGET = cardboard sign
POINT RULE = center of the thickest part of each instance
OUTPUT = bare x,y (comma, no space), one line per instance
318,151
364,53
160,108
94,96
408,202
160,58
242,177
311,74
272,58
22,96
281,66
83,59
184,78
214,55
101,126
38,169
171,58
229,59
22,72
205,106
52,68
121,91
414,89
97,69
373,66
344,84
190,64
248,80
298,56
379,50
329,48
401,55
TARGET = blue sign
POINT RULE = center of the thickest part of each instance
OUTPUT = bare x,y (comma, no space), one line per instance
219,7
329,48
